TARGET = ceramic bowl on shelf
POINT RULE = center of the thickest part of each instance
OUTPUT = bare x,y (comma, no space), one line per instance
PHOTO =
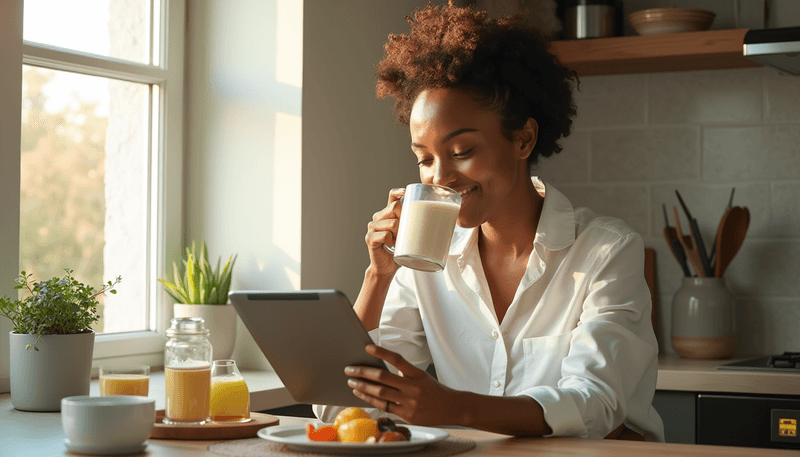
654,21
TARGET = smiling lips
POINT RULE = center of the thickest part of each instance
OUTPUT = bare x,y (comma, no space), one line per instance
465,191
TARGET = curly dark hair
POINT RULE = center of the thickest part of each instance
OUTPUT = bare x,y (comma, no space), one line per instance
503,63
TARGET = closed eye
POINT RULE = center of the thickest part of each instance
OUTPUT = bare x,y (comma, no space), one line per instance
465,153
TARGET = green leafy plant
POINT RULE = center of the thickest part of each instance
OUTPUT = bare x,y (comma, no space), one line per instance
198,284
58,306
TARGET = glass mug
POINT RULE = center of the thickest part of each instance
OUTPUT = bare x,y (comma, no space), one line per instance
230,398
426,226
125,380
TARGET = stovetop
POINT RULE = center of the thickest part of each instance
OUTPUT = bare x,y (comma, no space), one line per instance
788,362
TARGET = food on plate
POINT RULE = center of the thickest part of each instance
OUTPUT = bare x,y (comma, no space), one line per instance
354,425
323,433
358,430
348,414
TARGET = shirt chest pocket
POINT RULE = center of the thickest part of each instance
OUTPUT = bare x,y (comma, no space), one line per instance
543,356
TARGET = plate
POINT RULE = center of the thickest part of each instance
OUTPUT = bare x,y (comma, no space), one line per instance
104,450
294,437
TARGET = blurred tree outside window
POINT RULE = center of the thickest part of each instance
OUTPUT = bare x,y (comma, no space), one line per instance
86,153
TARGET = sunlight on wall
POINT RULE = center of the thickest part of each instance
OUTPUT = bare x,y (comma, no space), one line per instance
289,38
287,175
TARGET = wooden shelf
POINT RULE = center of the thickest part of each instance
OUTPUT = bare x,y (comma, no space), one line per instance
691,51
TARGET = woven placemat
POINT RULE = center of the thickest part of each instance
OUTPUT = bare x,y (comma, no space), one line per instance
257,447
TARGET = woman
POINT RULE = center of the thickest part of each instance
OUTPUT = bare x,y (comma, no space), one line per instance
540,322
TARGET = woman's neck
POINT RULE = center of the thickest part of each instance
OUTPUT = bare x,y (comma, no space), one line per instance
514,231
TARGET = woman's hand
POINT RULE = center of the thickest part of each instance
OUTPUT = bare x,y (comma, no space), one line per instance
381,232
413,395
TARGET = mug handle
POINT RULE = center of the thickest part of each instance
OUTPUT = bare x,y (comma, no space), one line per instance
391,249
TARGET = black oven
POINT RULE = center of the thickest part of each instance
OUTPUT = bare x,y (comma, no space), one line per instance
752,421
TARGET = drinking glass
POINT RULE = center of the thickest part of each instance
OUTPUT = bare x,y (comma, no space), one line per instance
125,380
230,398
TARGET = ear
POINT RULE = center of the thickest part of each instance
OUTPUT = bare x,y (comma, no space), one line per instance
527,136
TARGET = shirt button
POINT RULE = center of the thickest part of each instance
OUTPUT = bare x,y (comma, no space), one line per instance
496,383
495,334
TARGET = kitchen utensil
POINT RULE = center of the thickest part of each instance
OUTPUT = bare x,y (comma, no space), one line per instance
688,246
714,246
674,244
731,235
670,20
697,238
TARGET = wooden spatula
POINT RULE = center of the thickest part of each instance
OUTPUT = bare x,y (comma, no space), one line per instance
730,236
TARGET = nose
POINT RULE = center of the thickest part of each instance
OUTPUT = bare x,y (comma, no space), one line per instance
444,173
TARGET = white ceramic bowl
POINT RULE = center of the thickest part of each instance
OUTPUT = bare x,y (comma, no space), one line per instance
116,424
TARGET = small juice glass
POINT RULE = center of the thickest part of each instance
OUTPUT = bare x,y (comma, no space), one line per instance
230,398
125,380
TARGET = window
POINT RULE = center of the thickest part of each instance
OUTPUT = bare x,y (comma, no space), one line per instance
100,179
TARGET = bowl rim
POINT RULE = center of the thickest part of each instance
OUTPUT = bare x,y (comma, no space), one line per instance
107,401
673,8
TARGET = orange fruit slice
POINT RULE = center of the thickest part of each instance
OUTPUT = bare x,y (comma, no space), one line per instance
358,430
348,414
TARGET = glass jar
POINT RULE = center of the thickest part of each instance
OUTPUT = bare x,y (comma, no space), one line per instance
187,372
230,398
704,319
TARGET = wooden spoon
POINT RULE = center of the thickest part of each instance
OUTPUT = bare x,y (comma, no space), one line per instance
730,236
688,246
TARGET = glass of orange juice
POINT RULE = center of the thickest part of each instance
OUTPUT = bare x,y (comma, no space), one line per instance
230,398
125,380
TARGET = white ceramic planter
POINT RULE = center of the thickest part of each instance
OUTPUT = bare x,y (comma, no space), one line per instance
220,320
62,367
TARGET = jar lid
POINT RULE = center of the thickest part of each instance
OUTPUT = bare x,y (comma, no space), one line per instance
187,326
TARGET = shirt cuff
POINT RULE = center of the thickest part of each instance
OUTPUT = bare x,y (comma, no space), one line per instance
560,411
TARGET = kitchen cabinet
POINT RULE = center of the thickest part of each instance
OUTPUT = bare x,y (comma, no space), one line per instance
702,405
691,51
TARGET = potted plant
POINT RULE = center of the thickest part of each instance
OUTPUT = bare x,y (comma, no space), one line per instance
52,342
200,291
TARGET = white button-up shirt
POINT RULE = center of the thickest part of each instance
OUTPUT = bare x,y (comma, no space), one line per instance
577,337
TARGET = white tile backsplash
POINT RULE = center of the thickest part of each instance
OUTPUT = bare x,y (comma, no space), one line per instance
638,138
700,97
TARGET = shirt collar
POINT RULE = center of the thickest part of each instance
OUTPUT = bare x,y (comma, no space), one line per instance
556,229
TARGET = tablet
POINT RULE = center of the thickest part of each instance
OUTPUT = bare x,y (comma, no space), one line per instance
308,337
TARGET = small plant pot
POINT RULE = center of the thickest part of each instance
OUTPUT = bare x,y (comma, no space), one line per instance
220,320
62,367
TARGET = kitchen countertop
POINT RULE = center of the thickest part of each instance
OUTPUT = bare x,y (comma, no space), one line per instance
695,375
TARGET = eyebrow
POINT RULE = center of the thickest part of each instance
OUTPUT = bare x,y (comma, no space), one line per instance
449,136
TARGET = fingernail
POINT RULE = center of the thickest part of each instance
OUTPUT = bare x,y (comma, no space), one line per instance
352,383
370,347
349,370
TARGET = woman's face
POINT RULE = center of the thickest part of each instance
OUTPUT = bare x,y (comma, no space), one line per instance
460,145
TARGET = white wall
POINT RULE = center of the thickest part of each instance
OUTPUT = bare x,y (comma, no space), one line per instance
353,151
243,150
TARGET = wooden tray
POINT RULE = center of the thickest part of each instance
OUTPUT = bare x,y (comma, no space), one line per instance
211,431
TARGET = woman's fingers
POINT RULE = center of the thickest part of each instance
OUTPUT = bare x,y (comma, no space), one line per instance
396,360
396,194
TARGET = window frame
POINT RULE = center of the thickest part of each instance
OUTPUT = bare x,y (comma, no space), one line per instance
165,154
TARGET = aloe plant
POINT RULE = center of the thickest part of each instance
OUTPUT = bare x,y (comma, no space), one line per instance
198,284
